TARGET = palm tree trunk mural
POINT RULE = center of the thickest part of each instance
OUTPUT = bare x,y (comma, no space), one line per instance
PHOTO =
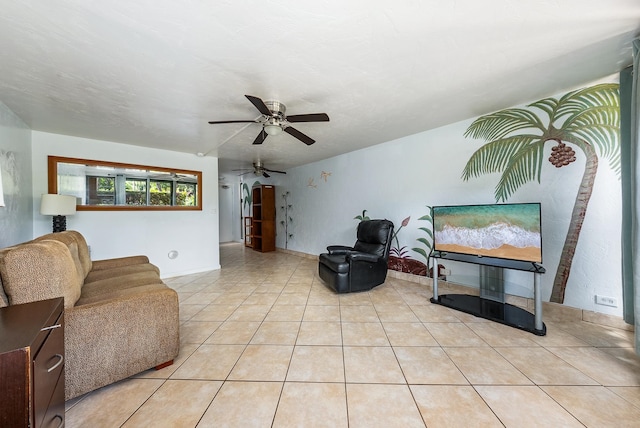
588,119
575,226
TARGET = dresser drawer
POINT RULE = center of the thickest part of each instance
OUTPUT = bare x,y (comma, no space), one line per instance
48,365
54,416
32,364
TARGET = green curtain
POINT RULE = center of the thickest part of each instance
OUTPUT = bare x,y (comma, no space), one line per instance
630,153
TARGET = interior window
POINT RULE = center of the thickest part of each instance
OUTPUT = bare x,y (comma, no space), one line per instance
101,185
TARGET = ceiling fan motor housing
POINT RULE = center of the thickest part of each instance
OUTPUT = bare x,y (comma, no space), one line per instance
277,108
275,123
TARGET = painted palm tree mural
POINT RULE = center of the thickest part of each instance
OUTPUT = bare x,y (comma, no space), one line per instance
246,191
587,119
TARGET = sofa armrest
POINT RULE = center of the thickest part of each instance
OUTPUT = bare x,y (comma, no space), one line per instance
335,250
118,336
119,262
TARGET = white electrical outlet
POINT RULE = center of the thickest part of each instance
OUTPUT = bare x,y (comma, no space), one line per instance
446,272
606,301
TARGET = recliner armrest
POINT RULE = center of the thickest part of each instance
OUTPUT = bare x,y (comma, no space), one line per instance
338,249
363,257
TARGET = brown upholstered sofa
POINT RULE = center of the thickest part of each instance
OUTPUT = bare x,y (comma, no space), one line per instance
120,318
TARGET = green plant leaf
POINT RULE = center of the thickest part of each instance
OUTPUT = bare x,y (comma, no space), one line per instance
606,94
548,105
496,155
594,116
500,124
426,242
421,252
362,217
427,231
524,166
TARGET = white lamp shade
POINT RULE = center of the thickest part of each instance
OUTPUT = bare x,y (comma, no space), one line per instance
52,204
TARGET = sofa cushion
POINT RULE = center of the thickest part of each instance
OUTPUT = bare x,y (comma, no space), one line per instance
40,270
117,283
97,275
120,262
73,250
119,293
68,237
83,252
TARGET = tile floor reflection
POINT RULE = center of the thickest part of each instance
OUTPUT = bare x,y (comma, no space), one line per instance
265,344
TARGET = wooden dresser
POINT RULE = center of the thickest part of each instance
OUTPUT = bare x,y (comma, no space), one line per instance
32,364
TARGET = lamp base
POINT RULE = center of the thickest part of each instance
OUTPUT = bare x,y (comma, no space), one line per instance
59,223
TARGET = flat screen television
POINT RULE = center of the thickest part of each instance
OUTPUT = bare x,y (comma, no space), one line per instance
506,231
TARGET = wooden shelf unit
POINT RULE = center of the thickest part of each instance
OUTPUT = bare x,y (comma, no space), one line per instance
248,224
263,224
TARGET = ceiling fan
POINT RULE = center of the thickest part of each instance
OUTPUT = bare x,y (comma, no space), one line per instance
274,120
259,169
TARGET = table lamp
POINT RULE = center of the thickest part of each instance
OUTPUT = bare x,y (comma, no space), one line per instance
58,206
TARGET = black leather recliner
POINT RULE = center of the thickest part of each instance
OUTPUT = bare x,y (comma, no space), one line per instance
362,266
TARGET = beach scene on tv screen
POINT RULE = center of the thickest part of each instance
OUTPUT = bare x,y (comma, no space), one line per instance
509,231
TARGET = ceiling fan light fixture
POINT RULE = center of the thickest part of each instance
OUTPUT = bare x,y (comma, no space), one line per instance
273,129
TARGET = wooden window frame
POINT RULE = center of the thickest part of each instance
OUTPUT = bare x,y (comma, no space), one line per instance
52,177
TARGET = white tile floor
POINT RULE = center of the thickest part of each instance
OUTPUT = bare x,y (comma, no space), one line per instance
265,343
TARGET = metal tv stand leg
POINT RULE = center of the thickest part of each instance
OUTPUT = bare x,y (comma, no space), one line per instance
435,278
537,302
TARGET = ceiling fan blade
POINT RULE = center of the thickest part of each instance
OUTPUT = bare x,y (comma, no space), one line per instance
260,105
313,117
299,135
273,170
265,175
261,137
214,122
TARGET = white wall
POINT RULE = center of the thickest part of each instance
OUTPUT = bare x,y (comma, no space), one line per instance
194,234
232,206
16,222
398,179
229,216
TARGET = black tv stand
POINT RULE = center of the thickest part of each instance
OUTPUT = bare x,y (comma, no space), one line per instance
503,313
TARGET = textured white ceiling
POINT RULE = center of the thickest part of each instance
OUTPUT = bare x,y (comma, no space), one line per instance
152,73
